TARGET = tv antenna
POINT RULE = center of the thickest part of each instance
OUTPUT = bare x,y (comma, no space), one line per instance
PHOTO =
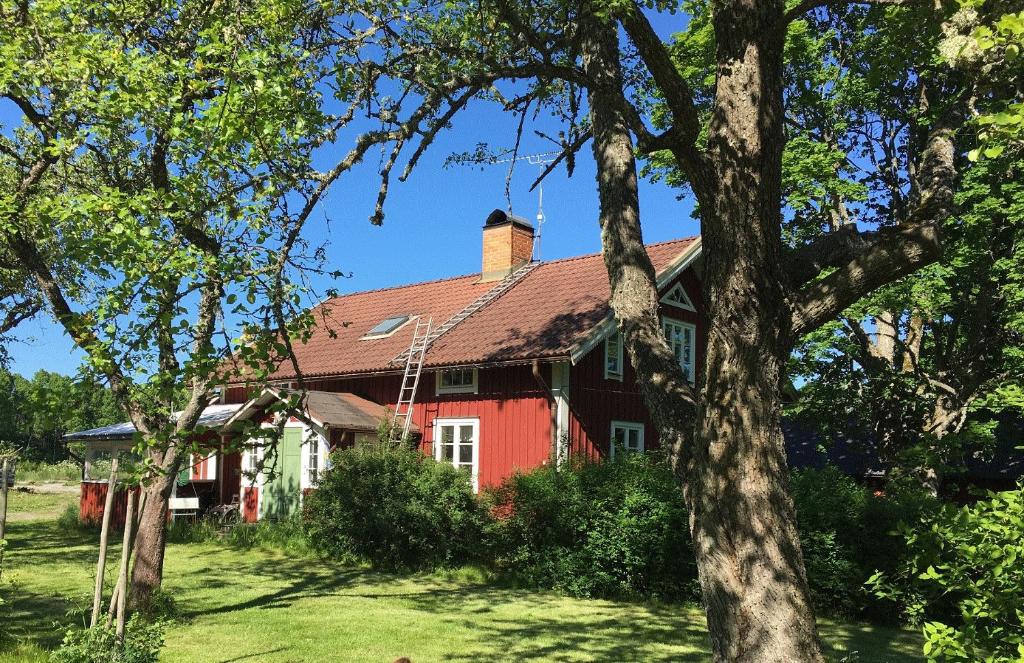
542,160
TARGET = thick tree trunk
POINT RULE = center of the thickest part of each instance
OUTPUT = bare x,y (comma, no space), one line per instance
732,459
151,539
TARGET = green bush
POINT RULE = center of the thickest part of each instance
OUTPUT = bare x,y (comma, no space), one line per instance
970,558
847,533
67,471
609,529
394,507
142,644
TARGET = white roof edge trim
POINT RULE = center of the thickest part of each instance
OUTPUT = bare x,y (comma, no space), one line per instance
265,397
606,326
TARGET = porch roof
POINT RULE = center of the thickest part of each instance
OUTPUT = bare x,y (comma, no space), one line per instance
214,416
340,410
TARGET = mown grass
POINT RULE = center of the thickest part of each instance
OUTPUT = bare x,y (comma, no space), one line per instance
262,605
31,503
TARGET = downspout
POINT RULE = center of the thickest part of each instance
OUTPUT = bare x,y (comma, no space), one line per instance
552,406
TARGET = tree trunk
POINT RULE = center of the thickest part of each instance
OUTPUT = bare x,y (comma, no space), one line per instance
734,467
151,540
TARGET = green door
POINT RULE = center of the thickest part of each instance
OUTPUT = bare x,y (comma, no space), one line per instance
281,496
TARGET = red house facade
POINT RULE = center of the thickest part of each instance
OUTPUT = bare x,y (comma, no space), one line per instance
524,368
531,372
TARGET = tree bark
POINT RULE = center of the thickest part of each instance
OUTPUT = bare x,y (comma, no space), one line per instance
150,541
730,449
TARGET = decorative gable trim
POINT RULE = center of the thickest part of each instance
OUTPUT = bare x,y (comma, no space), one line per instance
608,326
677,297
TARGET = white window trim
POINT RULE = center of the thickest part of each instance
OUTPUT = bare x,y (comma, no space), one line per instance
693,335
613,376
627,425
321,457
471,421
459,389
686,305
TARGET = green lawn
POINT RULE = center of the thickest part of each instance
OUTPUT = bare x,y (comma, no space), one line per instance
260,605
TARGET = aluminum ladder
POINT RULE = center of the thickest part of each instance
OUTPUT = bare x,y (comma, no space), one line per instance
411,380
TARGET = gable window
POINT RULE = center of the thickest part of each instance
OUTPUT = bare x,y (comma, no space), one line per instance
613,357
681,338
457,441
387,327
457,381
627,437
677,297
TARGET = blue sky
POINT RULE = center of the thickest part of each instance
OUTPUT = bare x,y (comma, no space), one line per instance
433,224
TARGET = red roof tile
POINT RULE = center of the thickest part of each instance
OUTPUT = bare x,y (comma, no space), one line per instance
546,314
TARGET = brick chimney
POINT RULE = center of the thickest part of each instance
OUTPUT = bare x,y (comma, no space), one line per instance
508,244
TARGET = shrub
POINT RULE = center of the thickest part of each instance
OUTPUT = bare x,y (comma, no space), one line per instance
394,507
847,532
606,529
142,644
969,557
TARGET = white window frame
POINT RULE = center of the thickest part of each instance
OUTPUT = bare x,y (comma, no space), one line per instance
686,304
312,438
690,367
627,426
457,422
460,388
608,375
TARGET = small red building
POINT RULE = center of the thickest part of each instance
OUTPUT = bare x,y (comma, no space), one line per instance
526,368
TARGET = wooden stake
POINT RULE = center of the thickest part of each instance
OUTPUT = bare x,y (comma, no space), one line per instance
108,507
112,610
122,580
3,498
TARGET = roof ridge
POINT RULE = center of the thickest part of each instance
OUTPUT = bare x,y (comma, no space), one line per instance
539,263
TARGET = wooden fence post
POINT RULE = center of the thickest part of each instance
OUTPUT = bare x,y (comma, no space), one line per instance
108,507
3,498
122,577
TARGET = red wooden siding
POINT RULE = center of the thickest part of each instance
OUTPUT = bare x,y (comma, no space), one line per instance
250,504
513,408
230,477
595,402
92,500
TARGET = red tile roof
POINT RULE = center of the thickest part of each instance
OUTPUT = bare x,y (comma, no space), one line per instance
551,310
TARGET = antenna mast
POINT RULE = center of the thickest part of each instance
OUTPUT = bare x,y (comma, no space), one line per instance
541,160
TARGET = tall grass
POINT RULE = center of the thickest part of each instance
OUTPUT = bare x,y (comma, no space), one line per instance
282,535
36,471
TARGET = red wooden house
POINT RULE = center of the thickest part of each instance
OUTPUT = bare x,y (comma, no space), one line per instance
529,369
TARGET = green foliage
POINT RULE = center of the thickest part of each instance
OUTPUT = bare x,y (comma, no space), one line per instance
285,535
847,533
613,529
142,643
395,507
66,471
969,557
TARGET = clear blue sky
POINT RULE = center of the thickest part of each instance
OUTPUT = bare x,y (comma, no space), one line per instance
433,224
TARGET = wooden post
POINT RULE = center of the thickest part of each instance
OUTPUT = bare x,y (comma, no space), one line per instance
122,578
3,498
108,507
121,582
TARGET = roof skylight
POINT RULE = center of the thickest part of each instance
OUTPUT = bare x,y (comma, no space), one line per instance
387,326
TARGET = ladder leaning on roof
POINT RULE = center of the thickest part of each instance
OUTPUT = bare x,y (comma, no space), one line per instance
411,379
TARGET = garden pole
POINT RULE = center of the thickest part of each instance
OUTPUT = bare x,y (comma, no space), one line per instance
3,498
122,580
108,506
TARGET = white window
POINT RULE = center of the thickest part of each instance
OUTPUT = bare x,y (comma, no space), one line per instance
613,357
681,338
677,297
250,463
627,437
457,441
312,459
457,381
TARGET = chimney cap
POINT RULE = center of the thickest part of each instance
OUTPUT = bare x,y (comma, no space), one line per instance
499,218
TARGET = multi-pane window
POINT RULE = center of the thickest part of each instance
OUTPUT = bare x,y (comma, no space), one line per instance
457,381
613,357
457,442
313,459
627,437
681,338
